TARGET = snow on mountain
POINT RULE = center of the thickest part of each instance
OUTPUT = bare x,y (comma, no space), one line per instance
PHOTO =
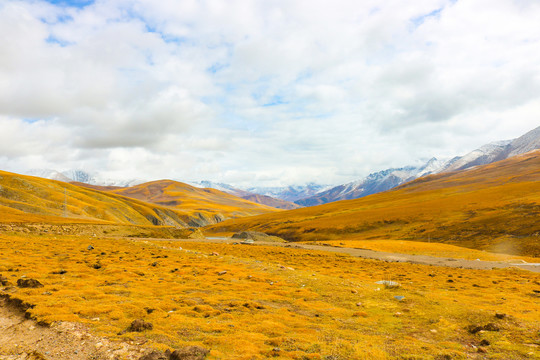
290,193
484,155
48,174
390,178
221,187
83,177
373,183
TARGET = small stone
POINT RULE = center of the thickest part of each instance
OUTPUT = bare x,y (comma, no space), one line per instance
481,350
500,315
139,325
90,247
485,342
358,304
433,331
354,291
222,272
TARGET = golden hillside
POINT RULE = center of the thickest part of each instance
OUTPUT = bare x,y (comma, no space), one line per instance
32,199
209,205
494,207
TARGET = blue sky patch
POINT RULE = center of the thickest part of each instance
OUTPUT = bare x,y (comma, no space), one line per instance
72,3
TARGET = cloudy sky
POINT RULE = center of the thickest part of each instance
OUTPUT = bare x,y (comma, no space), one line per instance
261,92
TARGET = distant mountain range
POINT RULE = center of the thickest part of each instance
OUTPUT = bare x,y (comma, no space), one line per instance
82,177
390,178
257,197
291,197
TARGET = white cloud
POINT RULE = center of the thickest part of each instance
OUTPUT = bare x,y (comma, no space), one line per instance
268,92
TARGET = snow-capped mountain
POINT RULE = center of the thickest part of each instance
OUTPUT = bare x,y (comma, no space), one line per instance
48,174
251,196
390,178
83,177
373,183
221,187
290,193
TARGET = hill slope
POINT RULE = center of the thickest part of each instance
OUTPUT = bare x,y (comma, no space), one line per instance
32,199
492,207
209,205
390,178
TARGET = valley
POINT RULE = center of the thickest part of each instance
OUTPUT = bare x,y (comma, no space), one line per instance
442,267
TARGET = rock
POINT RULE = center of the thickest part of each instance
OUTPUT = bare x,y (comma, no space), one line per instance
154,355
222,272
189,353
491,327
358,304
29,283
90,247
485,342
481,350
97,266
139,325
214,254
500,315
473,329
354,291
4,280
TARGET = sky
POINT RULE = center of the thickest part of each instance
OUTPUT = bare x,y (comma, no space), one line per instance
263,93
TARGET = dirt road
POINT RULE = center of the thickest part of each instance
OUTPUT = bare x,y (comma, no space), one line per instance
386,256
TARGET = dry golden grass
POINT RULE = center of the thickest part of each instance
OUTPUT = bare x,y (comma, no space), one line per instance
189,198
272,302
49,201
493,207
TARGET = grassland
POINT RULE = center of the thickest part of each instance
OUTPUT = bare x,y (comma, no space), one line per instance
256,302
493,207
32,199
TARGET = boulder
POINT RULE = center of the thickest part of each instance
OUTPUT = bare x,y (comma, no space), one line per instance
29,283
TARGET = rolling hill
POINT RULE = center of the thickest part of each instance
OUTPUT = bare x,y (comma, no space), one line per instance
209,205
33,199
492,207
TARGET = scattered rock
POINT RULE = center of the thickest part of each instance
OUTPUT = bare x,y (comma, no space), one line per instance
97,266
358,304
90,247
189,353
149,310
399,297
138,325
354,291
481,350
222,272
29,283
59,272
214,254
